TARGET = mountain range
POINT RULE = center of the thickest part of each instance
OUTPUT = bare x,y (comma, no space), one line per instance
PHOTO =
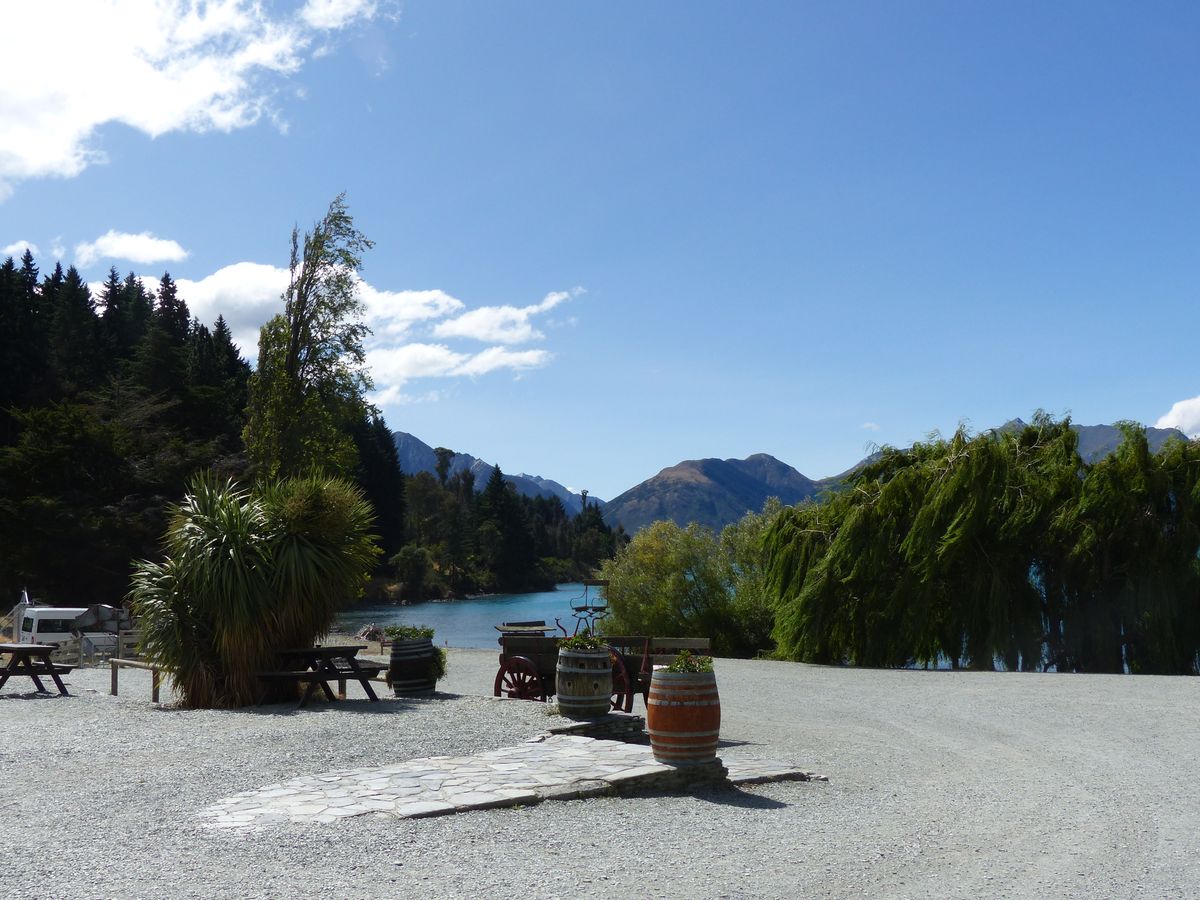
716,492
417,456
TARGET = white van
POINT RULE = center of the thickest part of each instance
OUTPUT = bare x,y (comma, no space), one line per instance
54,624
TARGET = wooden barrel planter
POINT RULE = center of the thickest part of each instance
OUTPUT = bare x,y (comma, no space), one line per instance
583,683
683,717
411,668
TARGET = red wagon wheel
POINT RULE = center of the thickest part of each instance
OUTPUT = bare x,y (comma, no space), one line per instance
518,677
622,695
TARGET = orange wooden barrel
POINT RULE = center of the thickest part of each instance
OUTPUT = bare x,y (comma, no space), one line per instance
683,717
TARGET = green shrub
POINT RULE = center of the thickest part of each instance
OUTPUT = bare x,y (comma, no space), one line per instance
437,666
685,662
583,641
408,632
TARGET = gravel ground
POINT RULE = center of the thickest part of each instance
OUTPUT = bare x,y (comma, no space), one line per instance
955,784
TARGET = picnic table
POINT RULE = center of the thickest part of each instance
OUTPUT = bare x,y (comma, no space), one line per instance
318,666
32,661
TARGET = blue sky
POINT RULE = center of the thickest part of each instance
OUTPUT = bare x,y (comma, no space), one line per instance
613,236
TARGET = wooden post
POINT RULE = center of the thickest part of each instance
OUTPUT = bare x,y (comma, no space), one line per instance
154,685
112,664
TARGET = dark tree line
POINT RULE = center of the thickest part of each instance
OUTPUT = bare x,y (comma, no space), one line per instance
108,402
1001,550
468,541
111,399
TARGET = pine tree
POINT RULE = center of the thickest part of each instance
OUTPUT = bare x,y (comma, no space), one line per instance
381,480
75,341
171,312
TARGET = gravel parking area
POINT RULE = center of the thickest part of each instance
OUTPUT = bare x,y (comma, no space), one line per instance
955,784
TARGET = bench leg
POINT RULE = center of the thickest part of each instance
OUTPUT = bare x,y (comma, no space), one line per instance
341,688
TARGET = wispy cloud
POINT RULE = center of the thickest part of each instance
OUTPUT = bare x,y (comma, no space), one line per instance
398,353
18,248
869,426
331,14
182,66
394,313
143,248
495,358
503,324
1184,415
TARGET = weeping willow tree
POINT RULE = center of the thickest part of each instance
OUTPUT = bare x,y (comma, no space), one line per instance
247,574
998,549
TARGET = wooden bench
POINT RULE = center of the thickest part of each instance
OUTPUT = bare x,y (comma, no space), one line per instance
155,678
32,661
367,670
321,666
129,657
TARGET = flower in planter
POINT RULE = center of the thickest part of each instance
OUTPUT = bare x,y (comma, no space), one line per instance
685,662
583,641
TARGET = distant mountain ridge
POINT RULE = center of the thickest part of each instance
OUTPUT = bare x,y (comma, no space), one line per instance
1098,441
716,492
712,492
417,456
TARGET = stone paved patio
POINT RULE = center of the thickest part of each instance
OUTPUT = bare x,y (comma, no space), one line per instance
545,768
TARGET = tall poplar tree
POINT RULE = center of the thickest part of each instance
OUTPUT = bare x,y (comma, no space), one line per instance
310,382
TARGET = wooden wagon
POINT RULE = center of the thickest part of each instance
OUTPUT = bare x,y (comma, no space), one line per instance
529,664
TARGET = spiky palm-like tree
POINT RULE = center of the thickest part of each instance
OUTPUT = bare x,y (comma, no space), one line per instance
246,575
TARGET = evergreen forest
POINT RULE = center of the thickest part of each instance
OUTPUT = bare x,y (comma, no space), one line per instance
112,398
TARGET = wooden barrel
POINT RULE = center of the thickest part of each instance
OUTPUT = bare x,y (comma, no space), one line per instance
411,668
683,717
583,683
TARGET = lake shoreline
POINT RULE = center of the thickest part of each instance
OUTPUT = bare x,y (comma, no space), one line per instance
468,624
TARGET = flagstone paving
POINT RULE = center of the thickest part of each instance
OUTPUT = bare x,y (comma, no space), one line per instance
545,768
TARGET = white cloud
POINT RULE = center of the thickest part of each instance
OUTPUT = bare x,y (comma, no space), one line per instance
395,395
247,294
396,365
182,66
142,248
502,324
1184,415
494,358
869,426
17,249
394,313
57,249
330,14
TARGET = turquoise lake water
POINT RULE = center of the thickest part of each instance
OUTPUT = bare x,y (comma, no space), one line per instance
470,623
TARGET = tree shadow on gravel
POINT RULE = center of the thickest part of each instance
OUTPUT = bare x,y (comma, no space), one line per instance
720,795
387,705
732,795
